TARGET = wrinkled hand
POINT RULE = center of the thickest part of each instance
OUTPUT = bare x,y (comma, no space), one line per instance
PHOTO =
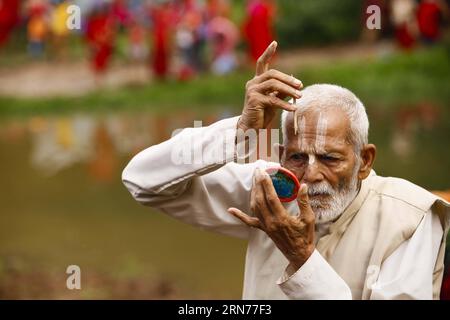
264,93
293,235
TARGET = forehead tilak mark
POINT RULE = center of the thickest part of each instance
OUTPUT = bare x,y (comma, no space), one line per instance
301,138
321,131
296,121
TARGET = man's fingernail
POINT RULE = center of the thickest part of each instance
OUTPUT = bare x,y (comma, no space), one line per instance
298,82
304,189
260,175
298,93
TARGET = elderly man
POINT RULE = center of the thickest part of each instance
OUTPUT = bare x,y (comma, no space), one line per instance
350,234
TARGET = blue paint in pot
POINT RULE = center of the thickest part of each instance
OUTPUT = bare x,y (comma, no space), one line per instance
283,185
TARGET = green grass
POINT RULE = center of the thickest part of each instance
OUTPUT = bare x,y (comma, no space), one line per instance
387,81
205,91
392,80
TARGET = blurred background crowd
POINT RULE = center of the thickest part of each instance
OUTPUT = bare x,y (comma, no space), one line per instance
188,37
76,105
200,34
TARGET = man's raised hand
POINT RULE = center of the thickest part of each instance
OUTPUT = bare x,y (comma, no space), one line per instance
265,93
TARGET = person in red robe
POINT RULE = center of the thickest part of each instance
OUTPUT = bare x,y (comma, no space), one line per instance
258,26
9,17
404,21
162,17
100,38
428,20
445,288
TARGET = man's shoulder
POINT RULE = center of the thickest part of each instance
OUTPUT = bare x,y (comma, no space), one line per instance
403,191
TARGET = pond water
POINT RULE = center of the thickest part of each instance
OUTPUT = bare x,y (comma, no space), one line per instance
63,203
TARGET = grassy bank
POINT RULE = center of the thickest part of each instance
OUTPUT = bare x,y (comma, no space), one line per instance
391,80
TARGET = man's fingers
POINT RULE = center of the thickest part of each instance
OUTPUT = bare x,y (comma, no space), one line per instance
273,101
274,85
306,213
258,200
283,77
260,100
245,218
262,64
270,194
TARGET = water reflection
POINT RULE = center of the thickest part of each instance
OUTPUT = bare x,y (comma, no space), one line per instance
61,142
63,183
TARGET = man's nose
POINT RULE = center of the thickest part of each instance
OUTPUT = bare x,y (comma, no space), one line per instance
312,173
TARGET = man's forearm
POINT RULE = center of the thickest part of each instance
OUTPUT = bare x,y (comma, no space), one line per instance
194,151
185,177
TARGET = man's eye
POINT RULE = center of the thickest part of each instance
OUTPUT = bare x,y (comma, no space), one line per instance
299,157
328,158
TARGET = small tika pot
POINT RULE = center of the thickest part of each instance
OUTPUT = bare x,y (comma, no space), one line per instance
285,183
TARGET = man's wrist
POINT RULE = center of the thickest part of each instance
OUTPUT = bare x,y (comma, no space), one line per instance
299,260
241,143
241,126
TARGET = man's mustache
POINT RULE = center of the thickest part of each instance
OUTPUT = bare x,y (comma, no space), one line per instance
321,188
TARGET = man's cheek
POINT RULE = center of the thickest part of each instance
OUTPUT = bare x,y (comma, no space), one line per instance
343,174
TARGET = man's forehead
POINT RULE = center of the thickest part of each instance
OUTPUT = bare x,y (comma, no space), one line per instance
331,123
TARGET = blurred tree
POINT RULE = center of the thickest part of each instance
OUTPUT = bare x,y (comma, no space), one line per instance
315,22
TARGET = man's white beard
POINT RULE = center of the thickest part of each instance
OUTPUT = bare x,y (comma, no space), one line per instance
337,200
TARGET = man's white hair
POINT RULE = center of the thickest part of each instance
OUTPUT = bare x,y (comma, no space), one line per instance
323,96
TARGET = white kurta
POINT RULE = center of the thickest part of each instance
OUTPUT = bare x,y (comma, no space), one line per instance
200,193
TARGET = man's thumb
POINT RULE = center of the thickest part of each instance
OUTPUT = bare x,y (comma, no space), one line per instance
303,202
302,197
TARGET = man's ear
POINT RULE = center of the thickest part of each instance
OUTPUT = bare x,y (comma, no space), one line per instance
279,149
367,155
